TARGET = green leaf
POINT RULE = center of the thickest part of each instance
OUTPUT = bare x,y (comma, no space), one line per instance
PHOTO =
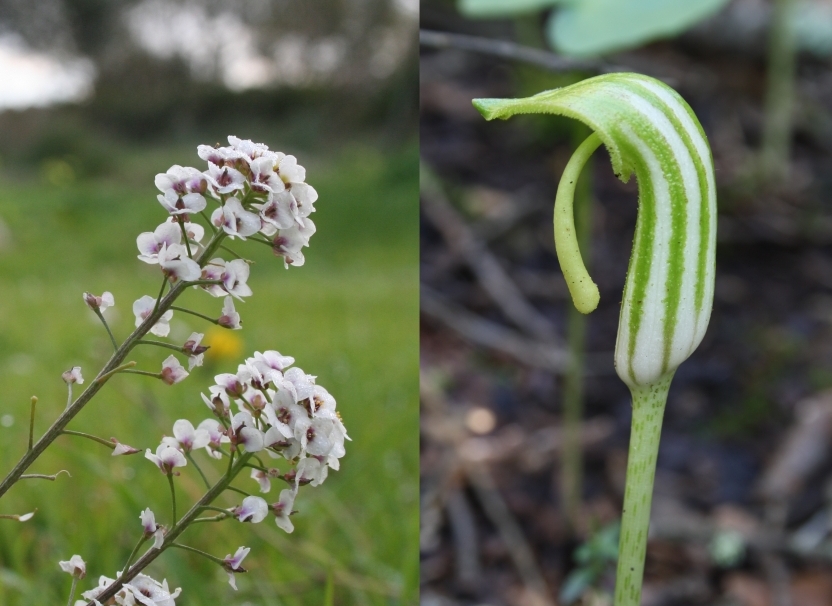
578,581
495,9
597,27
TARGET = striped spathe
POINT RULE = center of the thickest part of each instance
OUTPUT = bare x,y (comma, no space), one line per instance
651,131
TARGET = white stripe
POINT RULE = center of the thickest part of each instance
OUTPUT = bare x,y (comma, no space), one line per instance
649,349
701,145
686,314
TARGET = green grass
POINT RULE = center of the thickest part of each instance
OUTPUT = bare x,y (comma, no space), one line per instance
349,316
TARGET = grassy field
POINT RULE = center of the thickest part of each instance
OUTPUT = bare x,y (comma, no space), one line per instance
349,316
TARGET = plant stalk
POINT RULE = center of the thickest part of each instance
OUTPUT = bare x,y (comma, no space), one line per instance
95,385
648,411
173,534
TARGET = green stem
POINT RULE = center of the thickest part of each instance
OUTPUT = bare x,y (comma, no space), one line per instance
208,221
190,517
107,327
72,591
648,410
43,476
212,508
159,298
202,475
109,369
159,344
230,464
583,290
172,497
235,255
123,368
89,436
242,492
217,518
146,373
199,551
134,552
779,100
194,313
266,242
181,222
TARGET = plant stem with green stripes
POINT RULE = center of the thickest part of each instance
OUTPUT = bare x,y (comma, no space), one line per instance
649,131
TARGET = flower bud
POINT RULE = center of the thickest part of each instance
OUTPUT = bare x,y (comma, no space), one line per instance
73,375
99,303
74,566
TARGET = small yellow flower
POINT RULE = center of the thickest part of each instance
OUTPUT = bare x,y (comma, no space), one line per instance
224,344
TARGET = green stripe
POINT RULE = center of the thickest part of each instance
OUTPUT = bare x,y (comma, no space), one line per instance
602,103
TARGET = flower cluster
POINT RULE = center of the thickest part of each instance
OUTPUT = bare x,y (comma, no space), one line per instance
259,193
258,190
267,406
279,410
141,591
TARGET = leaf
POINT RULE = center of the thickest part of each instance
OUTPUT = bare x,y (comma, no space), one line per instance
597,27
578,581
494,9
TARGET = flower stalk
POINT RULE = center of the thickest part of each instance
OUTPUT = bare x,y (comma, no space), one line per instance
648,130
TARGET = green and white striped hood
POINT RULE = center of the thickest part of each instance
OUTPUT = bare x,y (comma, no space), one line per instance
648,129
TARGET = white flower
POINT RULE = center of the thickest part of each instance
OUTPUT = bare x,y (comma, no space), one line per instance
176,263
224,179
235,220
74,566
218,402
233,384
181,180
166,458
229,318
232,564
122,449
150,243
293,176
195,351
233,276
303,383
151,528
194,231
143,307
311,470
216,436
73,375
278,213
288,242
189,438
262,478
100,303
250,150
271,360
181,205
173,371
283,508
253,509
103,583
245,433
150,592
220,155
263,177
